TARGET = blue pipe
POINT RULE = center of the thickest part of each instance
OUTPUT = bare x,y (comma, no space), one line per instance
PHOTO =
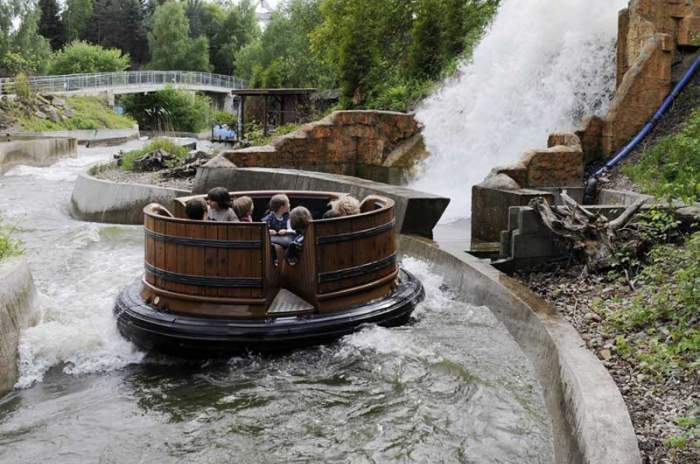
591,184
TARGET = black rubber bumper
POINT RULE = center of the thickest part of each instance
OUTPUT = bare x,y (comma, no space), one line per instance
155,330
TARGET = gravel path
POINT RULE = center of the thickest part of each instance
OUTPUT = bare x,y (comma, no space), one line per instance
148,178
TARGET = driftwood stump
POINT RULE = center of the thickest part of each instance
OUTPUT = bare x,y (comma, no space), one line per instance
599,239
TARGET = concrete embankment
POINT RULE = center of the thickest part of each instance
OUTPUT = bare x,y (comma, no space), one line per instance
17,312
32,151
100,200
590,421
92,137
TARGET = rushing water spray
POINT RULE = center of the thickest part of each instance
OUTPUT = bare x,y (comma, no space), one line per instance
541,67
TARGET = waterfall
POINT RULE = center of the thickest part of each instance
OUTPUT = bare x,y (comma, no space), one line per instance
540,67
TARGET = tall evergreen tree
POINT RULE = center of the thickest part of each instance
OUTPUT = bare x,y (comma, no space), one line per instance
76,19
427,52
50,23
120,24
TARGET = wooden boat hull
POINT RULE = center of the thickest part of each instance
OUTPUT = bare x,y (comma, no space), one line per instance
155,330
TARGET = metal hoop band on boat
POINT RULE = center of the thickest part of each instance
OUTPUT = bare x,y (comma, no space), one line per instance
356,271
200,242
366,233
204,281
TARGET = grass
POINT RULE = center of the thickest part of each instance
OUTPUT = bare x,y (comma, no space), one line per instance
670,169
255,135
89,113
8,246
662,319
178,151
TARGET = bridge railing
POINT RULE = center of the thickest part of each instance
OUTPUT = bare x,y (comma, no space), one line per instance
78,82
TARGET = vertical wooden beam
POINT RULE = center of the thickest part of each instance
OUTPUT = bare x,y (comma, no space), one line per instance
265,116
241,117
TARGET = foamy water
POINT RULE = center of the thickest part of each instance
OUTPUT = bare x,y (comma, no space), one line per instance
542,65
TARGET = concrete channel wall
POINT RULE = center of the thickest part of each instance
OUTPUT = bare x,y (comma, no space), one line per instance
590,421
98,200
92,137
43,151
416,212
17,295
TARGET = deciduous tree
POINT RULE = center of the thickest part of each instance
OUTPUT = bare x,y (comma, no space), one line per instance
76,18
170,44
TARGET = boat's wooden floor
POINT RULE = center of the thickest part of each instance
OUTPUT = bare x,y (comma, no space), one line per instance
288,303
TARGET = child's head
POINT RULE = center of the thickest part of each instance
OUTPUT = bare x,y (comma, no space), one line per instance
299,218
243,206
279,203
330,214
219,198
196,208
346,205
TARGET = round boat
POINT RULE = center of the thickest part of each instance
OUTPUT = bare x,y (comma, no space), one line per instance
217,288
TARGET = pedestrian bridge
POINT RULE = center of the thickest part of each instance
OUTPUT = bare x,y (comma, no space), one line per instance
119,83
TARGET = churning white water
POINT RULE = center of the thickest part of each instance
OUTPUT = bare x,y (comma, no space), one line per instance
542,66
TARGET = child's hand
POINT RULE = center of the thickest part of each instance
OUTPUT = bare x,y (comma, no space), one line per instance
273,232
282,232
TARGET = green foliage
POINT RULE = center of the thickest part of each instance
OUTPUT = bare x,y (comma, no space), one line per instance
119,24
256,137
223,117
663,316
82,57
671,168
89,113
425,60
282,55
170,44
50,23
8,246
22,88
169,110
26,50
180,152
76,17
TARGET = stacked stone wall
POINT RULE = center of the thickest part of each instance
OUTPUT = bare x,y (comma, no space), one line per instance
341,142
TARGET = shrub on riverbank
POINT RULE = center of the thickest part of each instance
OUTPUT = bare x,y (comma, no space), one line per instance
8,246
169,110
82,57
178,151
79,113
671,168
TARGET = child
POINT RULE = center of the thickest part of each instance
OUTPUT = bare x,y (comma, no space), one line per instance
196,209
278,216
243,207
299,218
220,206
346,206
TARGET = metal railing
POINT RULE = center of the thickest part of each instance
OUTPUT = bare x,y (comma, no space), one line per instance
89,82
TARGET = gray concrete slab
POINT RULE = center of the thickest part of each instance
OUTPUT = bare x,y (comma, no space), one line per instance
17,311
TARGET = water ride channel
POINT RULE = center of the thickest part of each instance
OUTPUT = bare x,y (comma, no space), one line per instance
452,385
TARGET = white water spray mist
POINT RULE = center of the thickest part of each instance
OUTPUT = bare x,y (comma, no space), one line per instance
540,67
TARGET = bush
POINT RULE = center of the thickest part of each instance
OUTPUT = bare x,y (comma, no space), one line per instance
82,57
8,246
169,110
256,137
22,87
671,168
222,117
180,152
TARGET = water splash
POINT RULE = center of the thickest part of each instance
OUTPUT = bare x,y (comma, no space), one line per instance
539,69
